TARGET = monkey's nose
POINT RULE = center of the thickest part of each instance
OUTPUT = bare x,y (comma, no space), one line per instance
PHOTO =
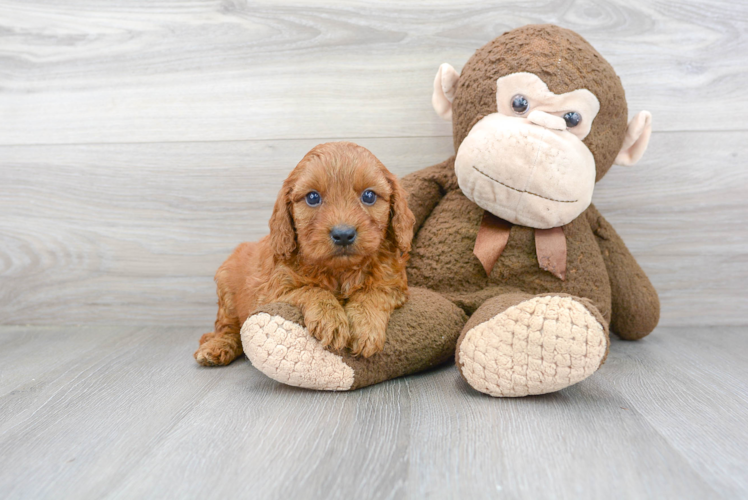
343,235
547,120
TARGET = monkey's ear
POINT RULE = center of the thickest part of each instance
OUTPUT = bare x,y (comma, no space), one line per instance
636,140
282,231
445,85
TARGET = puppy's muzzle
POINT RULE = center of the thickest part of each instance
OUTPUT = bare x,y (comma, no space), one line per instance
343,235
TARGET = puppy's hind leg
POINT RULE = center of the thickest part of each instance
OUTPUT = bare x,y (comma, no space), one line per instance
224,345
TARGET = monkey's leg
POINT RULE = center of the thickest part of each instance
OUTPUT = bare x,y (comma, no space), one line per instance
420,335
518,344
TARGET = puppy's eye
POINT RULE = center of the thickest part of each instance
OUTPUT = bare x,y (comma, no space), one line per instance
368,197
520,104
572,119
313,198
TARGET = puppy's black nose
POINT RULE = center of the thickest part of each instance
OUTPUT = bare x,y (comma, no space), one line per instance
343,235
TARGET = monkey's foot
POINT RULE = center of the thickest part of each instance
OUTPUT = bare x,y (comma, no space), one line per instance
537,346
285,351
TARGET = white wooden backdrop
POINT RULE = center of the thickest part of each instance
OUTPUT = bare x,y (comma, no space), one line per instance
141,140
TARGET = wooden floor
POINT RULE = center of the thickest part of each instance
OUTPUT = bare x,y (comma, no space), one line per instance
89,412
141,140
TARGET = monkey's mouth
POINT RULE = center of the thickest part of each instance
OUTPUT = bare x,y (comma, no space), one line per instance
520,190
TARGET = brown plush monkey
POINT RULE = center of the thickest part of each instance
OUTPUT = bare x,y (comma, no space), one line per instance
505,233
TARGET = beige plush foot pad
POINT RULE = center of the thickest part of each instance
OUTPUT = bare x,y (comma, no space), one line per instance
286,352
538,346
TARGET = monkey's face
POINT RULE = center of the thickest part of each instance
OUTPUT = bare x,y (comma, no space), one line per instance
527,163
538,116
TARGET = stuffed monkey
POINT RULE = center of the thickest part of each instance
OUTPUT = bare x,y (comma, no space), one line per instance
512,269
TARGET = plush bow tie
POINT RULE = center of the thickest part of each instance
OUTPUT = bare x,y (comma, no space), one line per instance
550,245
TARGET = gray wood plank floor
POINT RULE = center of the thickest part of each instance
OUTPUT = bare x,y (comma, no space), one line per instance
124,412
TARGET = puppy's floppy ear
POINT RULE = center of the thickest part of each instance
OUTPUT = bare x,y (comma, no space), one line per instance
282,231
402,219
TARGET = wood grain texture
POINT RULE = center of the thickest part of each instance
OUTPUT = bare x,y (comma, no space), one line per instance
153,71
134,232
141,141
126,413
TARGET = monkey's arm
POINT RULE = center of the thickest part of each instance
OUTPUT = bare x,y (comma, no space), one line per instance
426,187
636,307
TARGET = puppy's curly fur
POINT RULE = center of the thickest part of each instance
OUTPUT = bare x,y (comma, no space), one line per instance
346,293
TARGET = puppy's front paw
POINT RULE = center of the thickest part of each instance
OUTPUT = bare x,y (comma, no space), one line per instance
328,323
368,330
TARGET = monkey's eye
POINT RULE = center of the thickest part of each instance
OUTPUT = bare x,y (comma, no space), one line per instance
572,119
313,198
520,104
368,197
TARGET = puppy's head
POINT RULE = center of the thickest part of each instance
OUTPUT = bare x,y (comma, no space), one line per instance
339,206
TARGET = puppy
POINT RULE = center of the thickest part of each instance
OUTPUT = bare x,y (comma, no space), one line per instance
339,238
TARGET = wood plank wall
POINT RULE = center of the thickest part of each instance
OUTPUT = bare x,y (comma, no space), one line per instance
141,140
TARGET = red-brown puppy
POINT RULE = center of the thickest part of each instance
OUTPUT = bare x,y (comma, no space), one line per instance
339,236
